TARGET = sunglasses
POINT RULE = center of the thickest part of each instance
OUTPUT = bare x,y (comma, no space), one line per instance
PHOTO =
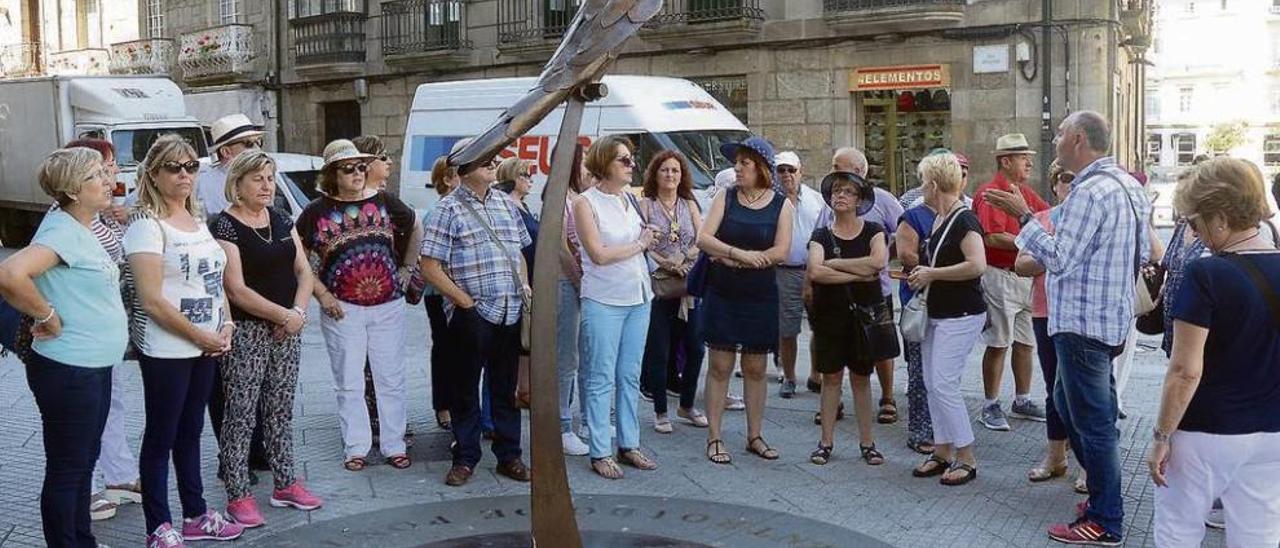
384,157
173,168
787,170
348,169
626,161
248,143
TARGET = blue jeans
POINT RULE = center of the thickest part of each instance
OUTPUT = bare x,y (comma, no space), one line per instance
495,350
568,370
1086,399
666,328
1054,429
175,393
73,403
613,340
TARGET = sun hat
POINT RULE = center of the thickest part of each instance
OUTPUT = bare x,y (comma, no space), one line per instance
343,149
231,127
866,194
758,145
1013,143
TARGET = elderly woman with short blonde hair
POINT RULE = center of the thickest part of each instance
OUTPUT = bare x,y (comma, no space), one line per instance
68,283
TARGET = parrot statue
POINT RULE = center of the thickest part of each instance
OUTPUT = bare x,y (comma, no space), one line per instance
593,40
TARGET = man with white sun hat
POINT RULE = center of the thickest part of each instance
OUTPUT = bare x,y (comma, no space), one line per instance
232,135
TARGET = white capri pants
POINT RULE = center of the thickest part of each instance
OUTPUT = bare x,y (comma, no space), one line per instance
376,332
945,351
117,465
1242,470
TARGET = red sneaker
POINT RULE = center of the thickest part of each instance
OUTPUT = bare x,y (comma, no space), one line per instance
296,496
1083,532
244,511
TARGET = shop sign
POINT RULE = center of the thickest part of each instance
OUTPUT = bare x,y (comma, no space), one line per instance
900,77
991,59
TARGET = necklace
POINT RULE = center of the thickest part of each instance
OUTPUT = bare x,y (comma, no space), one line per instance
673,234
270,234
1227,248
750,200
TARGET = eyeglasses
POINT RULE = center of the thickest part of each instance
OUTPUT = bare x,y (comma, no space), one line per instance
248,143
348,169
844,191
787,170
173,168
626,160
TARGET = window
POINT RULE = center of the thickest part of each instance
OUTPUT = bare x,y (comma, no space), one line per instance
307,8
228,11
88,29
1185,95
155,18
1185,145
731,91
1153,104
1155,143
1271,150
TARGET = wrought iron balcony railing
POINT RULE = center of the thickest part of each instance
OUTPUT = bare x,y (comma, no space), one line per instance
521,21
830,6
891,16
79,61
149,56
690,12
329,38
423,26
224,51
21,60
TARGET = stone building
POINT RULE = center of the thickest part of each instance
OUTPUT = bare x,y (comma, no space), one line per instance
895,77
56,37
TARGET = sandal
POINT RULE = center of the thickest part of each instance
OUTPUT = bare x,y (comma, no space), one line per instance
817,417
606,468
870,455
635,459
939,467
888,411
400,462
821,455
768,453
694,417
662,424
970,473
1041,472
719,456
355,464
1081,485
922,447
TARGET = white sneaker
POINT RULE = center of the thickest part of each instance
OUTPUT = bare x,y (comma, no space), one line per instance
573,445
733,402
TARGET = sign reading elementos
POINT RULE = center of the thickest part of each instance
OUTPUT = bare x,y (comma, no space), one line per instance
900,77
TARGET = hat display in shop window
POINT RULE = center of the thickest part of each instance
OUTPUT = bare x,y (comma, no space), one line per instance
924,100
941,99
906,102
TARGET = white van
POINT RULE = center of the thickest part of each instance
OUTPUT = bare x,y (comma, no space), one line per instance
655,113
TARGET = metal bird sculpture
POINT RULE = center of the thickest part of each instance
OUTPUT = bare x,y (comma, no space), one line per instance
593,40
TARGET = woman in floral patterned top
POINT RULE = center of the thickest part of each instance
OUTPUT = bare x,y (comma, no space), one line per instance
351,231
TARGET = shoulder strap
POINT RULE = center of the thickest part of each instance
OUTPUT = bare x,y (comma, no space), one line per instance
1137,225
1259,282
951,220
493,237
1275,235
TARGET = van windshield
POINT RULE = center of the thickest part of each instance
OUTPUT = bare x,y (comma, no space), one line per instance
701,147
132,144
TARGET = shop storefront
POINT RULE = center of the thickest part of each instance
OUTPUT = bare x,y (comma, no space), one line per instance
903,112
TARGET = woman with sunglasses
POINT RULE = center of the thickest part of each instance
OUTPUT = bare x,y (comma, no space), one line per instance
352,231
615,305
70,286
515,178
184,329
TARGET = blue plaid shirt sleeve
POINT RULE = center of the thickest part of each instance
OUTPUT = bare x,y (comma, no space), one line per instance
437,239
1075,223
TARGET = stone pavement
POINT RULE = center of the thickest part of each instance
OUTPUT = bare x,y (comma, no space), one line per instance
999,509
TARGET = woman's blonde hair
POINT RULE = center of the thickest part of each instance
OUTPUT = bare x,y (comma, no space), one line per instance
167,148
441,172
603,152
944,170
65,172
1228,188
247,163
509,169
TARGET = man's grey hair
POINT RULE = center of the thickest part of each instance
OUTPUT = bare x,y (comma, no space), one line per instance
1095,128
853,157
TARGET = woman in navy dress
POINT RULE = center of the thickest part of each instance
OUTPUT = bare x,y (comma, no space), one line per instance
746,233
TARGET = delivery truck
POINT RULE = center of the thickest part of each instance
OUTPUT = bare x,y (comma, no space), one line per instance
655,113
39,115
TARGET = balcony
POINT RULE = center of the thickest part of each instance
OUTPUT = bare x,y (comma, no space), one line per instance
875,17
79,61
706,22
329,44
152,56
21,60
217,55
533,26
424,33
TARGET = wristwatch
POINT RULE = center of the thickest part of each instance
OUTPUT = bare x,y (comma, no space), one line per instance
1025,218
1158,436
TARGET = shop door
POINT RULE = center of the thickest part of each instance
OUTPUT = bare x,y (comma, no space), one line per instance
900,128
341,120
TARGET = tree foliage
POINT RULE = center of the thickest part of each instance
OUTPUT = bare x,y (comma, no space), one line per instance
1227,135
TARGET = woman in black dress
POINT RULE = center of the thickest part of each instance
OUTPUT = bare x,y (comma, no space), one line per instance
746,233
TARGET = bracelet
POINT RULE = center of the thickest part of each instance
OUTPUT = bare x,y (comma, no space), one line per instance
300,312
46,319
226,323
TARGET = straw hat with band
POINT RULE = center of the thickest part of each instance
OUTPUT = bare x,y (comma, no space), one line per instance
341,150
1013,143
232,127
866,193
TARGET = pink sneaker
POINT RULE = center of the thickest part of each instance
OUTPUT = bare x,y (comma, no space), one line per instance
296,496
244,511
165,537
210,526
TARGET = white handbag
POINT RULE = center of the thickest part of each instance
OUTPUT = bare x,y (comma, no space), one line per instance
915,314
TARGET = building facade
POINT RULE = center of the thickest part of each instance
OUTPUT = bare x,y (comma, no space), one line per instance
1196,86
47,37
895,77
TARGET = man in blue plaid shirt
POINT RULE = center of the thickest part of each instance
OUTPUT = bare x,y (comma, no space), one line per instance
483,302
1092,262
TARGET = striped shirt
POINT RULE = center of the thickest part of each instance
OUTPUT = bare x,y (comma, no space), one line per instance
1090,258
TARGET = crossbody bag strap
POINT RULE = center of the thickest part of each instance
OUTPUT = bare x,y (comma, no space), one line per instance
1137,227
1260,282
506,254
933,255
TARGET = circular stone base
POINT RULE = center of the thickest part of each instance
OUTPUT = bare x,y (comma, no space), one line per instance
612,521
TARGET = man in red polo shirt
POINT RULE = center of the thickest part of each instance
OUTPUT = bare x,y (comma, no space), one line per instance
1008,296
